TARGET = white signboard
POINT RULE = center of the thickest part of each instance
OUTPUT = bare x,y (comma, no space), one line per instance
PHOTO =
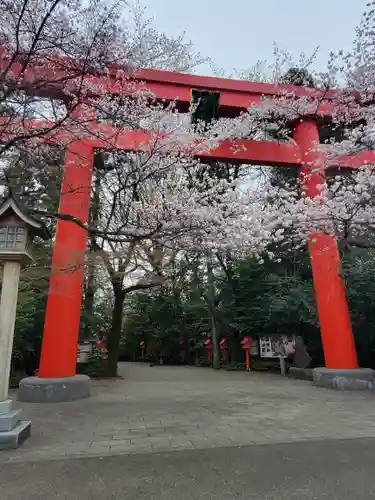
254,348
276,346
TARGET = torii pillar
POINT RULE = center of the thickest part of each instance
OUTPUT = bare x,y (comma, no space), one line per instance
341,370
57,380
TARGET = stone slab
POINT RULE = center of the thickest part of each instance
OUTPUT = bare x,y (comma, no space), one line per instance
323,470
54,390
5,406
345,380
300,373
14,438
194,407
8,421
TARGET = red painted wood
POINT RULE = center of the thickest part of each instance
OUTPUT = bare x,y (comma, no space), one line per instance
238,151
235,95
60,338
335,325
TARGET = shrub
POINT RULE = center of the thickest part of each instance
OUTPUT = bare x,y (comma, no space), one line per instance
95,363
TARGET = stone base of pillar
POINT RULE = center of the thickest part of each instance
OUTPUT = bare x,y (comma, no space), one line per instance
345,380
54,390
13,430
300,373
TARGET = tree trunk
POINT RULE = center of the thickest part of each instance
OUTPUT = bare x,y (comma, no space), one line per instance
90,288
114,337
215,345
237,353
88,302
214,332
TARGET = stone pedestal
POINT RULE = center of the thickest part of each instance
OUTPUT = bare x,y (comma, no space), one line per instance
345,380
13,430
54,390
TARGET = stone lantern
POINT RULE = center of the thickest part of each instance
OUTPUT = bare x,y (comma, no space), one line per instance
17,231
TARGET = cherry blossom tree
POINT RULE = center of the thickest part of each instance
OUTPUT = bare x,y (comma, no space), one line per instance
153,210
167,213
66,40
344,206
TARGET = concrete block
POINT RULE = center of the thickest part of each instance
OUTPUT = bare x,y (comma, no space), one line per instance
8,421
300,373
345,380
54,390
14,438
5,406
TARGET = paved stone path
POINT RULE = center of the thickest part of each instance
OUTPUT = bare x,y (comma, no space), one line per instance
313,470
157,409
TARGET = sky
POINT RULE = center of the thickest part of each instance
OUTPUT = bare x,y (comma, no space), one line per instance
235,34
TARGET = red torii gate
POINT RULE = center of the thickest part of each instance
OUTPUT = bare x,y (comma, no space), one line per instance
58,358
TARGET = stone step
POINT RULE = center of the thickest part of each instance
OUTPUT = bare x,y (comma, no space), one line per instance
5,406
12,439
9,420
